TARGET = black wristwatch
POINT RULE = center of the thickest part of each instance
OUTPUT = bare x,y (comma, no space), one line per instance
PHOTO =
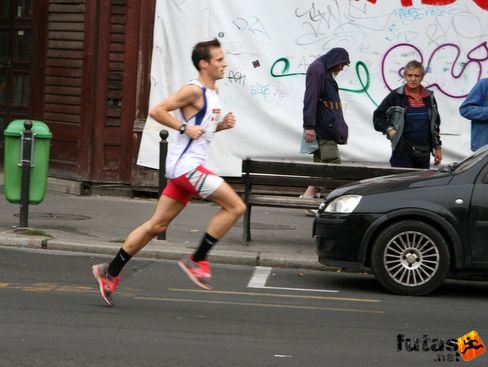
182,128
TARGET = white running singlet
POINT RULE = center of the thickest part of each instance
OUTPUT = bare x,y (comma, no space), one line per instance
186,154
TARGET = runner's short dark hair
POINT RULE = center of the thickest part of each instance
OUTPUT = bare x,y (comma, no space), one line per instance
201,51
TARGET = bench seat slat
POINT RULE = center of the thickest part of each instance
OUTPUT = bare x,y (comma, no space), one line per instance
284,201
294,181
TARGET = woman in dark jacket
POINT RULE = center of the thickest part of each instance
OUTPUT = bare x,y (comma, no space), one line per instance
409,118
323,118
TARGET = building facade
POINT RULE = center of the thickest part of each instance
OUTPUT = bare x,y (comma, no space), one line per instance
83,68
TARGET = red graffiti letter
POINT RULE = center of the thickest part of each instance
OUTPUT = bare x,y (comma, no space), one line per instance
483,4
438,2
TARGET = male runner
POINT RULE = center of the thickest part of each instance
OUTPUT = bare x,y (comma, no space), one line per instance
198,107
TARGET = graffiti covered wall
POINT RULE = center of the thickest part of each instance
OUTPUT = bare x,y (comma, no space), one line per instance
269,45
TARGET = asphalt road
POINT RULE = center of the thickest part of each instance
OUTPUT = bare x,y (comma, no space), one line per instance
51,315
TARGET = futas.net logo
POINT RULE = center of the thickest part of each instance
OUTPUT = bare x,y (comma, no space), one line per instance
466,347
470,345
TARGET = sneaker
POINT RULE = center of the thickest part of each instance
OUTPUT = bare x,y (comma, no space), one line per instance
106,283
197,271
311,212
316,196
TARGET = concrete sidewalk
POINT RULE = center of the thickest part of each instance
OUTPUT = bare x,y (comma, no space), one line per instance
99,224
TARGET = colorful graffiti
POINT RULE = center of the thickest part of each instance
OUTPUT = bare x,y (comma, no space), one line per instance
281,68
483,4
439,43
446,60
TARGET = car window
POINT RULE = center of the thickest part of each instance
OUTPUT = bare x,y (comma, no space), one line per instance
471,160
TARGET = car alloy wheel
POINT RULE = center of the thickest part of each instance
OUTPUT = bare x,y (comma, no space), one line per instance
410,257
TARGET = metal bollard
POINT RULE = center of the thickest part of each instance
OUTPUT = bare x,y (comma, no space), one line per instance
26,164
163,151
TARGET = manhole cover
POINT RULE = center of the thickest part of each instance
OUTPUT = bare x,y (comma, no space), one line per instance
270,226
57,216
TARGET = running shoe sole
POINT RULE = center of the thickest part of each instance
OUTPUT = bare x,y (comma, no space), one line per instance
193,278
98,278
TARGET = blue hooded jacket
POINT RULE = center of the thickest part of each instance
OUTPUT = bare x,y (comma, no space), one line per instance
475,108
322,108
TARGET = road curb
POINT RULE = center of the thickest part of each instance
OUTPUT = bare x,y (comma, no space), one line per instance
170,252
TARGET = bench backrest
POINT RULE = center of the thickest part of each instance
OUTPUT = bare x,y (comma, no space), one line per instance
302,174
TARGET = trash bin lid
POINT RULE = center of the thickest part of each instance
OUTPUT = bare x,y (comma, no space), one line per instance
39,129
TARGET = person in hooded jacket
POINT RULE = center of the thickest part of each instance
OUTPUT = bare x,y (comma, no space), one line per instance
323,119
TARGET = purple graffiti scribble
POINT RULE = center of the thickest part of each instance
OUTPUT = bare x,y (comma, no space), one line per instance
476,56
400,71
458,53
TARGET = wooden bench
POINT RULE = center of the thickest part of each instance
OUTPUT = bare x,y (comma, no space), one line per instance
279,183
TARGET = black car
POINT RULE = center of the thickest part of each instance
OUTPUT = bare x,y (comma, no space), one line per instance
413,229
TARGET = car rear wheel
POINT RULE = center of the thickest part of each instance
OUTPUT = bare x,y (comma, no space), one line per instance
410,258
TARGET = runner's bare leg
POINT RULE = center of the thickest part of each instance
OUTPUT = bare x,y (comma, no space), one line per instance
232,208
166,210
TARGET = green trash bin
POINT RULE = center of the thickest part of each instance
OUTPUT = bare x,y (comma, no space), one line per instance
12,168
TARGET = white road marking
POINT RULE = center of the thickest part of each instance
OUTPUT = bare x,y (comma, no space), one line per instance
259,277
261,274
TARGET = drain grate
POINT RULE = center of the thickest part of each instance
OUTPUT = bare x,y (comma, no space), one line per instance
56,216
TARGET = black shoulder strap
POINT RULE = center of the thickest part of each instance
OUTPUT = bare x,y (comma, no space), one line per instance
198,118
